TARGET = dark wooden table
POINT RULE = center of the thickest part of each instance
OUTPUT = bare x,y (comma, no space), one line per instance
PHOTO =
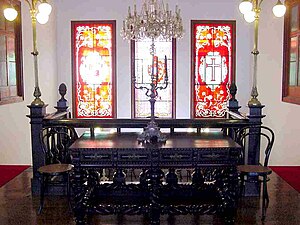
213,189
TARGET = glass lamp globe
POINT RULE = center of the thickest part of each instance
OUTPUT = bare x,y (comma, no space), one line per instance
45,8
279,9
249,17
42,18
245,6
10,14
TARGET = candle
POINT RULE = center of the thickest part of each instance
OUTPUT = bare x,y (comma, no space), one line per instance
156,69
166,68
152,72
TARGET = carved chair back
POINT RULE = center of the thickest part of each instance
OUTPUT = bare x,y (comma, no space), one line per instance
264,140
55,142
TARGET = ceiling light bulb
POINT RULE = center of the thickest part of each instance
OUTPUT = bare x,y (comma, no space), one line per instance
245,6
279,9
249,17
45,8
10,14
42,18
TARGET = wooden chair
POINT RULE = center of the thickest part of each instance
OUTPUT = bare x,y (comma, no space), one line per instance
261,171
55,142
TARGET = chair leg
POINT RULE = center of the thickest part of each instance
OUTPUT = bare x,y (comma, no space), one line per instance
265,198
69,191
267,195
42,192
242,185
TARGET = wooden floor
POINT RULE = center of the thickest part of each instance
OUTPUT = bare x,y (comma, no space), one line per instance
17,206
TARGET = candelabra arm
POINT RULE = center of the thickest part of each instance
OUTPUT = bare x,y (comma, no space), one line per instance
162,87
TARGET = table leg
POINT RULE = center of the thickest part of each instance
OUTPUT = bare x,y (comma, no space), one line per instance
155,176
197,177
229,193
171,177
119,177
143,178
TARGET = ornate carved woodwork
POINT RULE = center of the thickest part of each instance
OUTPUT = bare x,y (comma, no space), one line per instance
214,181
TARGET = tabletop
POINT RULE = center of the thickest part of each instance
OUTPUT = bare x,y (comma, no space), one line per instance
177,140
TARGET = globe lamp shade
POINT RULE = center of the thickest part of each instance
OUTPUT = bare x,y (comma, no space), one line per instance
42,18
279,9
249,17
245,6
10,14
45,8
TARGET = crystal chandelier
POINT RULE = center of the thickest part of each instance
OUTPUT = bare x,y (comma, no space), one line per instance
155,21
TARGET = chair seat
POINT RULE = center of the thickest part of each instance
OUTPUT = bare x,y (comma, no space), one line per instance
254,169
55,168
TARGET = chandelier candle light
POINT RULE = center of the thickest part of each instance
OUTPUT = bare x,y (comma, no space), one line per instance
39,11
251,10
154,22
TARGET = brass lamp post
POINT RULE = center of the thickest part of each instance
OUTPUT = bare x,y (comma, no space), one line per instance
251,10
39,11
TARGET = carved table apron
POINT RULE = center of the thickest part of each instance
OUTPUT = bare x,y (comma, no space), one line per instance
213,189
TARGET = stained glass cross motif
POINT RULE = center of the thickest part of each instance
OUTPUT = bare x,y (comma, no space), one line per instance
212,49
213,66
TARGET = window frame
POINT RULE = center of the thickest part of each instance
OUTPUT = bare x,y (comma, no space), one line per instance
132,64
193,56
114,53
290,94
17,23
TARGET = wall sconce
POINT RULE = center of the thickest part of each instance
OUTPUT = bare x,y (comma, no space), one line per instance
251,10
39,11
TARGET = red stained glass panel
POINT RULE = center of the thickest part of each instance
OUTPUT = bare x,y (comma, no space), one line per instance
213,71
93,67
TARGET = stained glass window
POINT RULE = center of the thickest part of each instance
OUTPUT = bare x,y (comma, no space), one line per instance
213,44
142,69
94,69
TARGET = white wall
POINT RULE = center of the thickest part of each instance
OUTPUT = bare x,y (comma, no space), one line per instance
15,144
117,10
282,117
54,40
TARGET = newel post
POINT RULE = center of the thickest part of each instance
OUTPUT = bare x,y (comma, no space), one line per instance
233,102
36,116
233,105
255,118
252,187
62,104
